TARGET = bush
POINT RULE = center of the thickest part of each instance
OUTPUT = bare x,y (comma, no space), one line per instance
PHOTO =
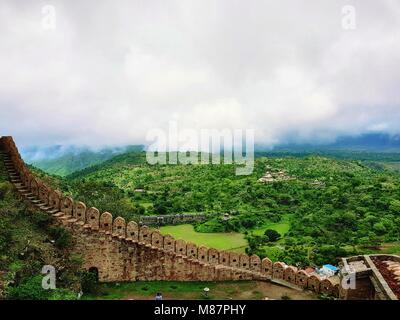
4,189
272,235
5,235
41,219
30,289
89,282
62,237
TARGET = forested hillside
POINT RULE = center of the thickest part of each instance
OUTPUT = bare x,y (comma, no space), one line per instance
339,205
63,163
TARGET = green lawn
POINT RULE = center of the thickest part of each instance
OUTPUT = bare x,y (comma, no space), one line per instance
282,226
222,241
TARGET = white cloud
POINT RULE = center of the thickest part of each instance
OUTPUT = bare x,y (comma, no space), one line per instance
110,72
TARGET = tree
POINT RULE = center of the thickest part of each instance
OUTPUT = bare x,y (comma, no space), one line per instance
272,235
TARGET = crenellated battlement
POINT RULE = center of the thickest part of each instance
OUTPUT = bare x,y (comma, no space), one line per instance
125,251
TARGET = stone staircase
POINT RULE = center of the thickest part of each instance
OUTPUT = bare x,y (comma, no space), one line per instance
16,180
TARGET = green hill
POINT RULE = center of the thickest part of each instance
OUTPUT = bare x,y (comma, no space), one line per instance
76,160
322,207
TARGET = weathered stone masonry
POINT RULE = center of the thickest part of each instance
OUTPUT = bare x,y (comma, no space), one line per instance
122,251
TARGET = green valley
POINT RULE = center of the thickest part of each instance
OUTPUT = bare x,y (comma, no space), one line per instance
328,208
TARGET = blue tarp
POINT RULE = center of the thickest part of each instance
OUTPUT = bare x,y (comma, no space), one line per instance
330,267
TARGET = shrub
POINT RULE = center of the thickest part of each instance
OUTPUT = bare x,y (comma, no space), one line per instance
5,235
89,282
30,289
41,219
272,235
61,237
4,189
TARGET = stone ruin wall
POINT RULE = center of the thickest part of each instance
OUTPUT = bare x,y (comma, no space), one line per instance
125,251
169,219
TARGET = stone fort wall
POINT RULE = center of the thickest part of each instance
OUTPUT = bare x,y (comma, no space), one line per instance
124,251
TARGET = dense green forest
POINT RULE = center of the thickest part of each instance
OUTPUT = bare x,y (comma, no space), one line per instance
332,206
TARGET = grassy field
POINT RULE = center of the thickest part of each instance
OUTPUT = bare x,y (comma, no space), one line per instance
223,241
233,241
174,290
282,227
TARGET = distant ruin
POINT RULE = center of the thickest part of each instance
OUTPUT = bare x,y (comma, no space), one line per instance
272,175
125,251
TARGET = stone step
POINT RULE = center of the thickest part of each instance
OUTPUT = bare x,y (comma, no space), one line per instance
46,207
22,187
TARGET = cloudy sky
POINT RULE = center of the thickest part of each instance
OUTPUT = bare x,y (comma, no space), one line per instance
107,72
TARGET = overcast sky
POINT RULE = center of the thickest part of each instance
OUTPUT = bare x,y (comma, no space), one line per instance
112,70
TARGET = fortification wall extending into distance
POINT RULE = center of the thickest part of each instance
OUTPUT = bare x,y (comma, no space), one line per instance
124,251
